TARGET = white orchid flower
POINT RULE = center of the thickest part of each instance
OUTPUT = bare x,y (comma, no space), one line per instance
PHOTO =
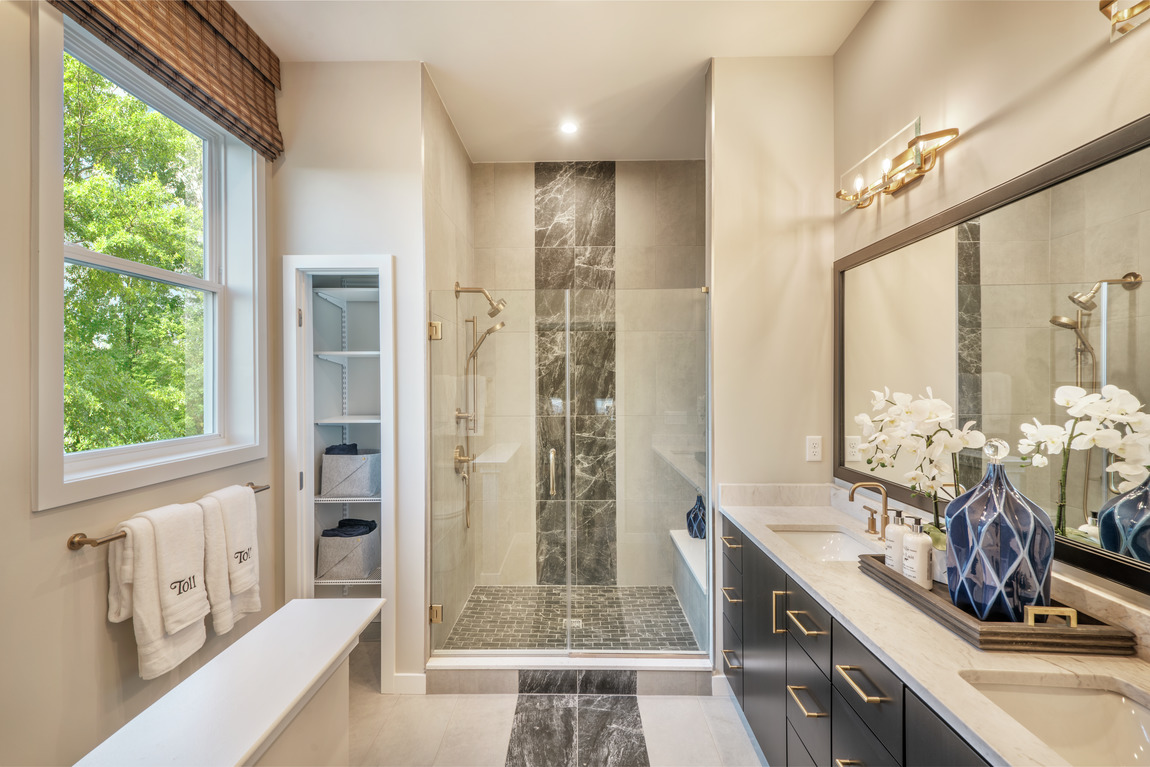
914,447
1051,438
1039,460
879,399
971,437
1088,405
1091,434
1134,449
1068,396
866,424
1139,422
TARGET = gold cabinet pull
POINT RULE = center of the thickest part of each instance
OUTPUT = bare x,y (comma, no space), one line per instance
809,714
551,458
727,660
849,763
806,632
725,589
775,614
726,539
854,685
1069,613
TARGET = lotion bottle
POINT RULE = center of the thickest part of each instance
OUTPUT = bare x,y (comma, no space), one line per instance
916,549
894,533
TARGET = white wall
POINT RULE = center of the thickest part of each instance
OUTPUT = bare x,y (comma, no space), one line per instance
771,184
1025,82
68,678
349,182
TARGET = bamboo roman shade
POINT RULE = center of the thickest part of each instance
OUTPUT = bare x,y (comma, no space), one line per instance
202,51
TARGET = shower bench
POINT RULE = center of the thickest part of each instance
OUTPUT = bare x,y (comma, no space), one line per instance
689,571
278,695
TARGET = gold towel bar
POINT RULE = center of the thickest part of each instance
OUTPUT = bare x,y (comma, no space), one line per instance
80,540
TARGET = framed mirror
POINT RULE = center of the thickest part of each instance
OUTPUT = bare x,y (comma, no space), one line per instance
997,302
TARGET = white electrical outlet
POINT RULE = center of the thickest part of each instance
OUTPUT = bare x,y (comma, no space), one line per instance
852,445
814,448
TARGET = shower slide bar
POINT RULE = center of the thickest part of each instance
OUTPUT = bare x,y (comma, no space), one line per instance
78,541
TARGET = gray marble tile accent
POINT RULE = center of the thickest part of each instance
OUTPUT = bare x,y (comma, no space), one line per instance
593,379
594,464
551,309
550,434
554,204
594,545
610,732
555,268
551,542
595,203
544,731
969,264
551,373
548,681
600,682
594,267
592,309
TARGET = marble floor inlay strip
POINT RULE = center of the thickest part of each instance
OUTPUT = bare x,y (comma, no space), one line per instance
634,618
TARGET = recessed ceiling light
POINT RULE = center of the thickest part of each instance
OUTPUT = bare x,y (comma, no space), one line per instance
568,127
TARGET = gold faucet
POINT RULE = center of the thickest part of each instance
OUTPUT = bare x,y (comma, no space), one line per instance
870,519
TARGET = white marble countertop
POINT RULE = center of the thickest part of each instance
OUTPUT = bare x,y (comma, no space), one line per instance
931,660
232,709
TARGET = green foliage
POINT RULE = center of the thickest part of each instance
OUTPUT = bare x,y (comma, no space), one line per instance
133,348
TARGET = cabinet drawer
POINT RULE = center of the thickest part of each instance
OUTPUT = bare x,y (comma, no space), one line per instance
797,755
732,596
732,544
732,654
808,703
852,742
810,625
870,688
931,743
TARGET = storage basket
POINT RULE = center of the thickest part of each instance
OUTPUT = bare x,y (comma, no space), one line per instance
350,476
347,558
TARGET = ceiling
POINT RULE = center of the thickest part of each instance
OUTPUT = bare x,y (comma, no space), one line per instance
629,72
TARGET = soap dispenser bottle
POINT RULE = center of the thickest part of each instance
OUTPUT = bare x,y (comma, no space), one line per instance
916,555
894,533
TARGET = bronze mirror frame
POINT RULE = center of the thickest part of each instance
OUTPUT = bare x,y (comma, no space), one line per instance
1112,146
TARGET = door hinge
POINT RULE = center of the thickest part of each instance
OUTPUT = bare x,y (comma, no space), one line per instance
301,480
299,316
435,614
435,331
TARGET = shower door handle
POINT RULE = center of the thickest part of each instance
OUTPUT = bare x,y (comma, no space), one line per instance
551,459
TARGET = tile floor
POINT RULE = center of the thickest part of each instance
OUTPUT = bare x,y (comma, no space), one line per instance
640,618
476,730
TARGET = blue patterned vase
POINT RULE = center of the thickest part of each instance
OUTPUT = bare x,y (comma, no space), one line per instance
697,519
1000,547
1124,523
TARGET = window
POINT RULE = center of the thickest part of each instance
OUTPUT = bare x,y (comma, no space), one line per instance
149,272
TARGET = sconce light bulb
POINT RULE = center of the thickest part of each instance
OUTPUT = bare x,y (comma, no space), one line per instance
886,165
859,183
568,127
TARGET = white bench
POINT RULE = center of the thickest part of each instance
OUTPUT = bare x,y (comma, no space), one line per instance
278,695
689,571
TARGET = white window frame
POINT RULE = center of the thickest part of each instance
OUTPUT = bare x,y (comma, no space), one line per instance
234,261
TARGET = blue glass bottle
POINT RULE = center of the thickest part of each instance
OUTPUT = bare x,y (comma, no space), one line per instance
1124,523
1000,546
697,519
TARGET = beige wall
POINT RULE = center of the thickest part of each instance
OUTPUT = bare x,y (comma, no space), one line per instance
68,678
771,256
1025,82
350,182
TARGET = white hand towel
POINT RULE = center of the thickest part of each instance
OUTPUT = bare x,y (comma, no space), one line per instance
179,542
226,607
238,508
120,567
135,574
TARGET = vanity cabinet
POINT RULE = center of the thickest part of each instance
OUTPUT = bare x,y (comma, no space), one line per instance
812,693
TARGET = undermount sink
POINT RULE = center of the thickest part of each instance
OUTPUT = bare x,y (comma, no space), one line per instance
1083,725
826,543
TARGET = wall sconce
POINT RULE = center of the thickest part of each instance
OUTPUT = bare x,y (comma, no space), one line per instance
910,165
1123,19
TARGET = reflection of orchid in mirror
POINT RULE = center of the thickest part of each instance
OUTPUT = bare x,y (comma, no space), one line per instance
923,431
1112,420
